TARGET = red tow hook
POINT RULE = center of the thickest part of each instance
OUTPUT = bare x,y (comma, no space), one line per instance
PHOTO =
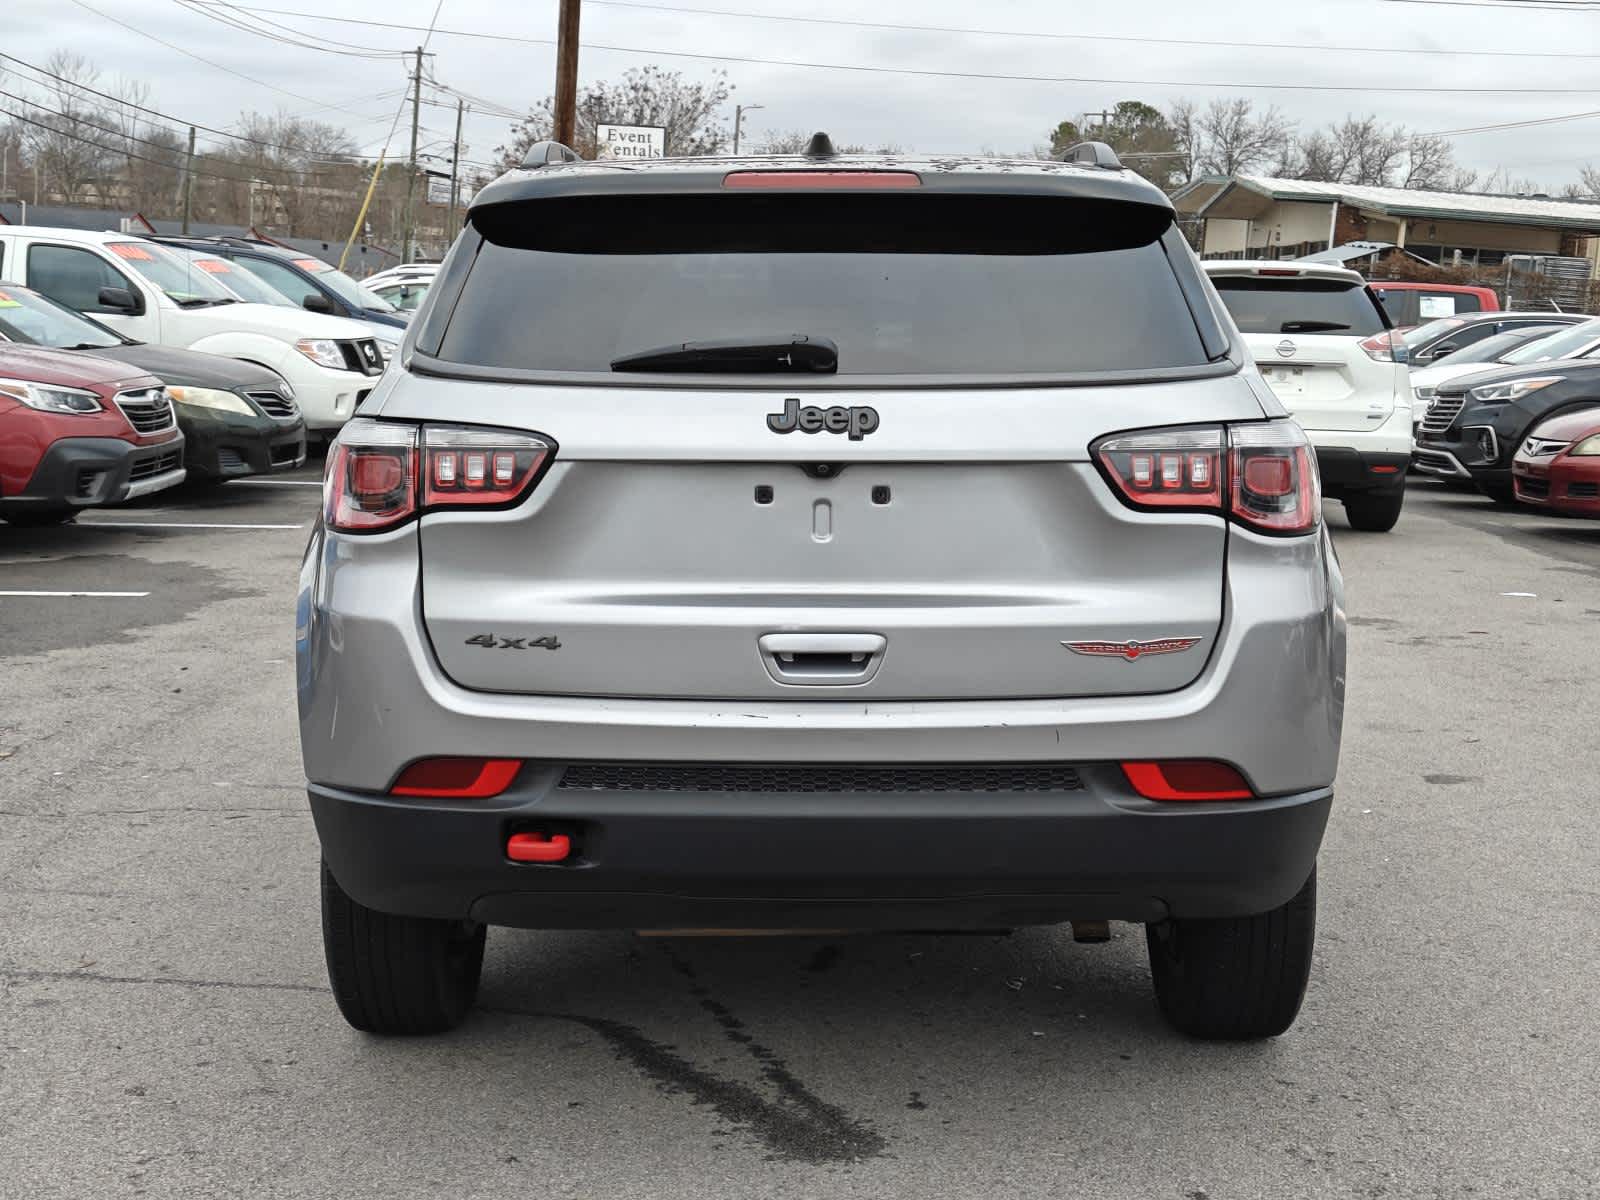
538,847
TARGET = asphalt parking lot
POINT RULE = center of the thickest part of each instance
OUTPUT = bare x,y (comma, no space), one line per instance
165,1027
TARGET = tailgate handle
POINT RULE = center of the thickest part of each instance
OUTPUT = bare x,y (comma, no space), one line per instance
822,659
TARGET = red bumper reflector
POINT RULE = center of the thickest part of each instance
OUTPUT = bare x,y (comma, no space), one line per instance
823,180
1187,779
537,847
457,778
1384,470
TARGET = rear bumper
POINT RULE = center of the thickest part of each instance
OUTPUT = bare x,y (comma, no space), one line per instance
829,860
87,472
1346,471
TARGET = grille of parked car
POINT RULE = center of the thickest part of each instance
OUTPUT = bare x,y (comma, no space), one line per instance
1442,412
148,410
801,777
362,355
275,405
156,464
1581,491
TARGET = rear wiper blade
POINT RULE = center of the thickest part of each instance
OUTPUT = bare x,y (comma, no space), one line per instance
760,354
1310,326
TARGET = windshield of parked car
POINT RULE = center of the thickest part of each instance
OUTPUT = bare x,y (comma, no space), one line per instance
917,286
1300,304
173,273
1433,329
342,285
237,280
29,318
1491,348
1569,342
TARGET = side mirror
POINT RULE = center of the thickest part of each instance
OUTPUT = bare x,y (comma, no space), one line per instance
118,298
1442,349
318,303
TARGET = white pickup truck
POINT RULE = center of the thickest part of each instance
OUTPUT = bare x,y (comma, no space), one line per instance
153,294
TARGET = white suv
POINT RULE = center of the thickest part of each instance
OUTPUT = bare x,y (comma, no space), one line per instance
154,294
1324,346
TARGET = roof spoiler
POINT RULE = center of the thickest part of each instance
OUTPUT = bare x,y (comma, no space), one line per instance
1092,154
544,154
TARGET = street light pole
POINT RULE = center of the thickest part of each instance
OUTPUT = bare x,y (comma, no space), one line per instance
739,111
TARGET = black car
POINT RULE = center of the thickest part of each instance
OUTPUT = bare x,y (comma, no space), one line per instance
1427,344
1476,423
237,418
313,284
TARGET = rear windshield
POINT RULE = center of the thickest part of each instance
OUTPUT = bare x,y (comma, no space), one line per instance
903,285
1290,305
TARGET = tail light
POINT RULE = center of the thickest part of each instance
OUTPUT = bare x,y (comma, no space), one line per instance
382,474
1187,779
1261,474
1388,346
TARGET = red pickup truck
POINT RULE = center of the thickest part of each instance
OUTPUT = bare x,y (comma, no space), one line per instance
78,431
1411,304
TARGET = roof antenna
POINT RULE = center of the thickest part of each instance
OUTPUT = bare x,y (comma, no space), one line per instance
820,146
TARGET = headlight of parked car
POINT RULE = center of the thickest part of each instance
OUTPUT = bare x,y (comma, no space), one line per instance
51,399
324,352
1589,447
214,398
1505,393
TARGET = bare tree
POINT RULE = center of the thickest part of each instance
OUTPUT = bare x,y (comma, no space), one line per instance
284,172
1430,164
152,154
794,141
1237,140
1589,180
1184,121
690,112
67,138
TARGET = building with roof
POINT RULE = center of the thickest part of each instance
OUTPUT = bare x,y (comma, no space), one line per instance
1256,216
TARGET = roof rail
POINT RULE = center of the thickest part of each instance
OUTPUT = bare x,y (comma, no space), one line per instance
1092,154
544,154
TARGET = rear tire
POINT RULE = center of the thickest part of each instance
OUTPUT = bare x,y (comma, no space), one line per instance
394,974
1374,512
1235,978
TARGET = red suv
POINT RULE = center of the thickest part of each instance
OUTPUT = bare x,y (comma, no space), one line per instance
77,431
1411,304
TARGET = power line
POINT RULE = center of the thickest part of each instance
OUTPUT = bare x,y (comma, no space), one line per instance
1071,37
178,121
190,54
1221,85
1085,37
299,41
1534,5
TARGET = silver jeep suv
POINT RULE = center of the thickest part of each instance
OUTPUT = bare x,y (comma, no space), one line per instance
821,542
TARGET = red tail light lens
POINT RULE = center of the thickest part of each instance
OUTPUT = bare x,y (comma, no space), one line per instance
478,467
370,482
1387,346
1187,779
1275,486
381,474
1166,468
1265,470
457,778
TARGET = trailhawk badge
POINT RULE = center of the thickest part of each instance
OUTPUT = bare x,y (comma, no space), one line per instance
1132,650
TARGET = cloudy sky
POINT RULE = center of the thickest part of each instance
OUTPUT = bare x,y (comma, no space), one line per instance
1429,64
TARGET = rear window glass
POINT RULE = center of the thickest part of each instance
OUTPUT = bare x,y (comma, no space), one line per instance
1298,305
902,284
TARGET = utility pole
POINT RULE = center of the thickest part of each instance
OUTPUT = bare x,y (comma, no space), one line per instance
188,181
455,169
411,172
739,111
566,113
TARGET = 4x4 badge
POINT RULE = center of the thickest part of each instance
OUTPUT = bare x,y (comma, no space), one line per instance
1132,650
857,421
491,642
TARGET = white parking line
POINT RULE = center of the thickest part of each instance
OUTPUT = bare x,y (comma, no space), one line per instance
176,525
316,483
119,595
